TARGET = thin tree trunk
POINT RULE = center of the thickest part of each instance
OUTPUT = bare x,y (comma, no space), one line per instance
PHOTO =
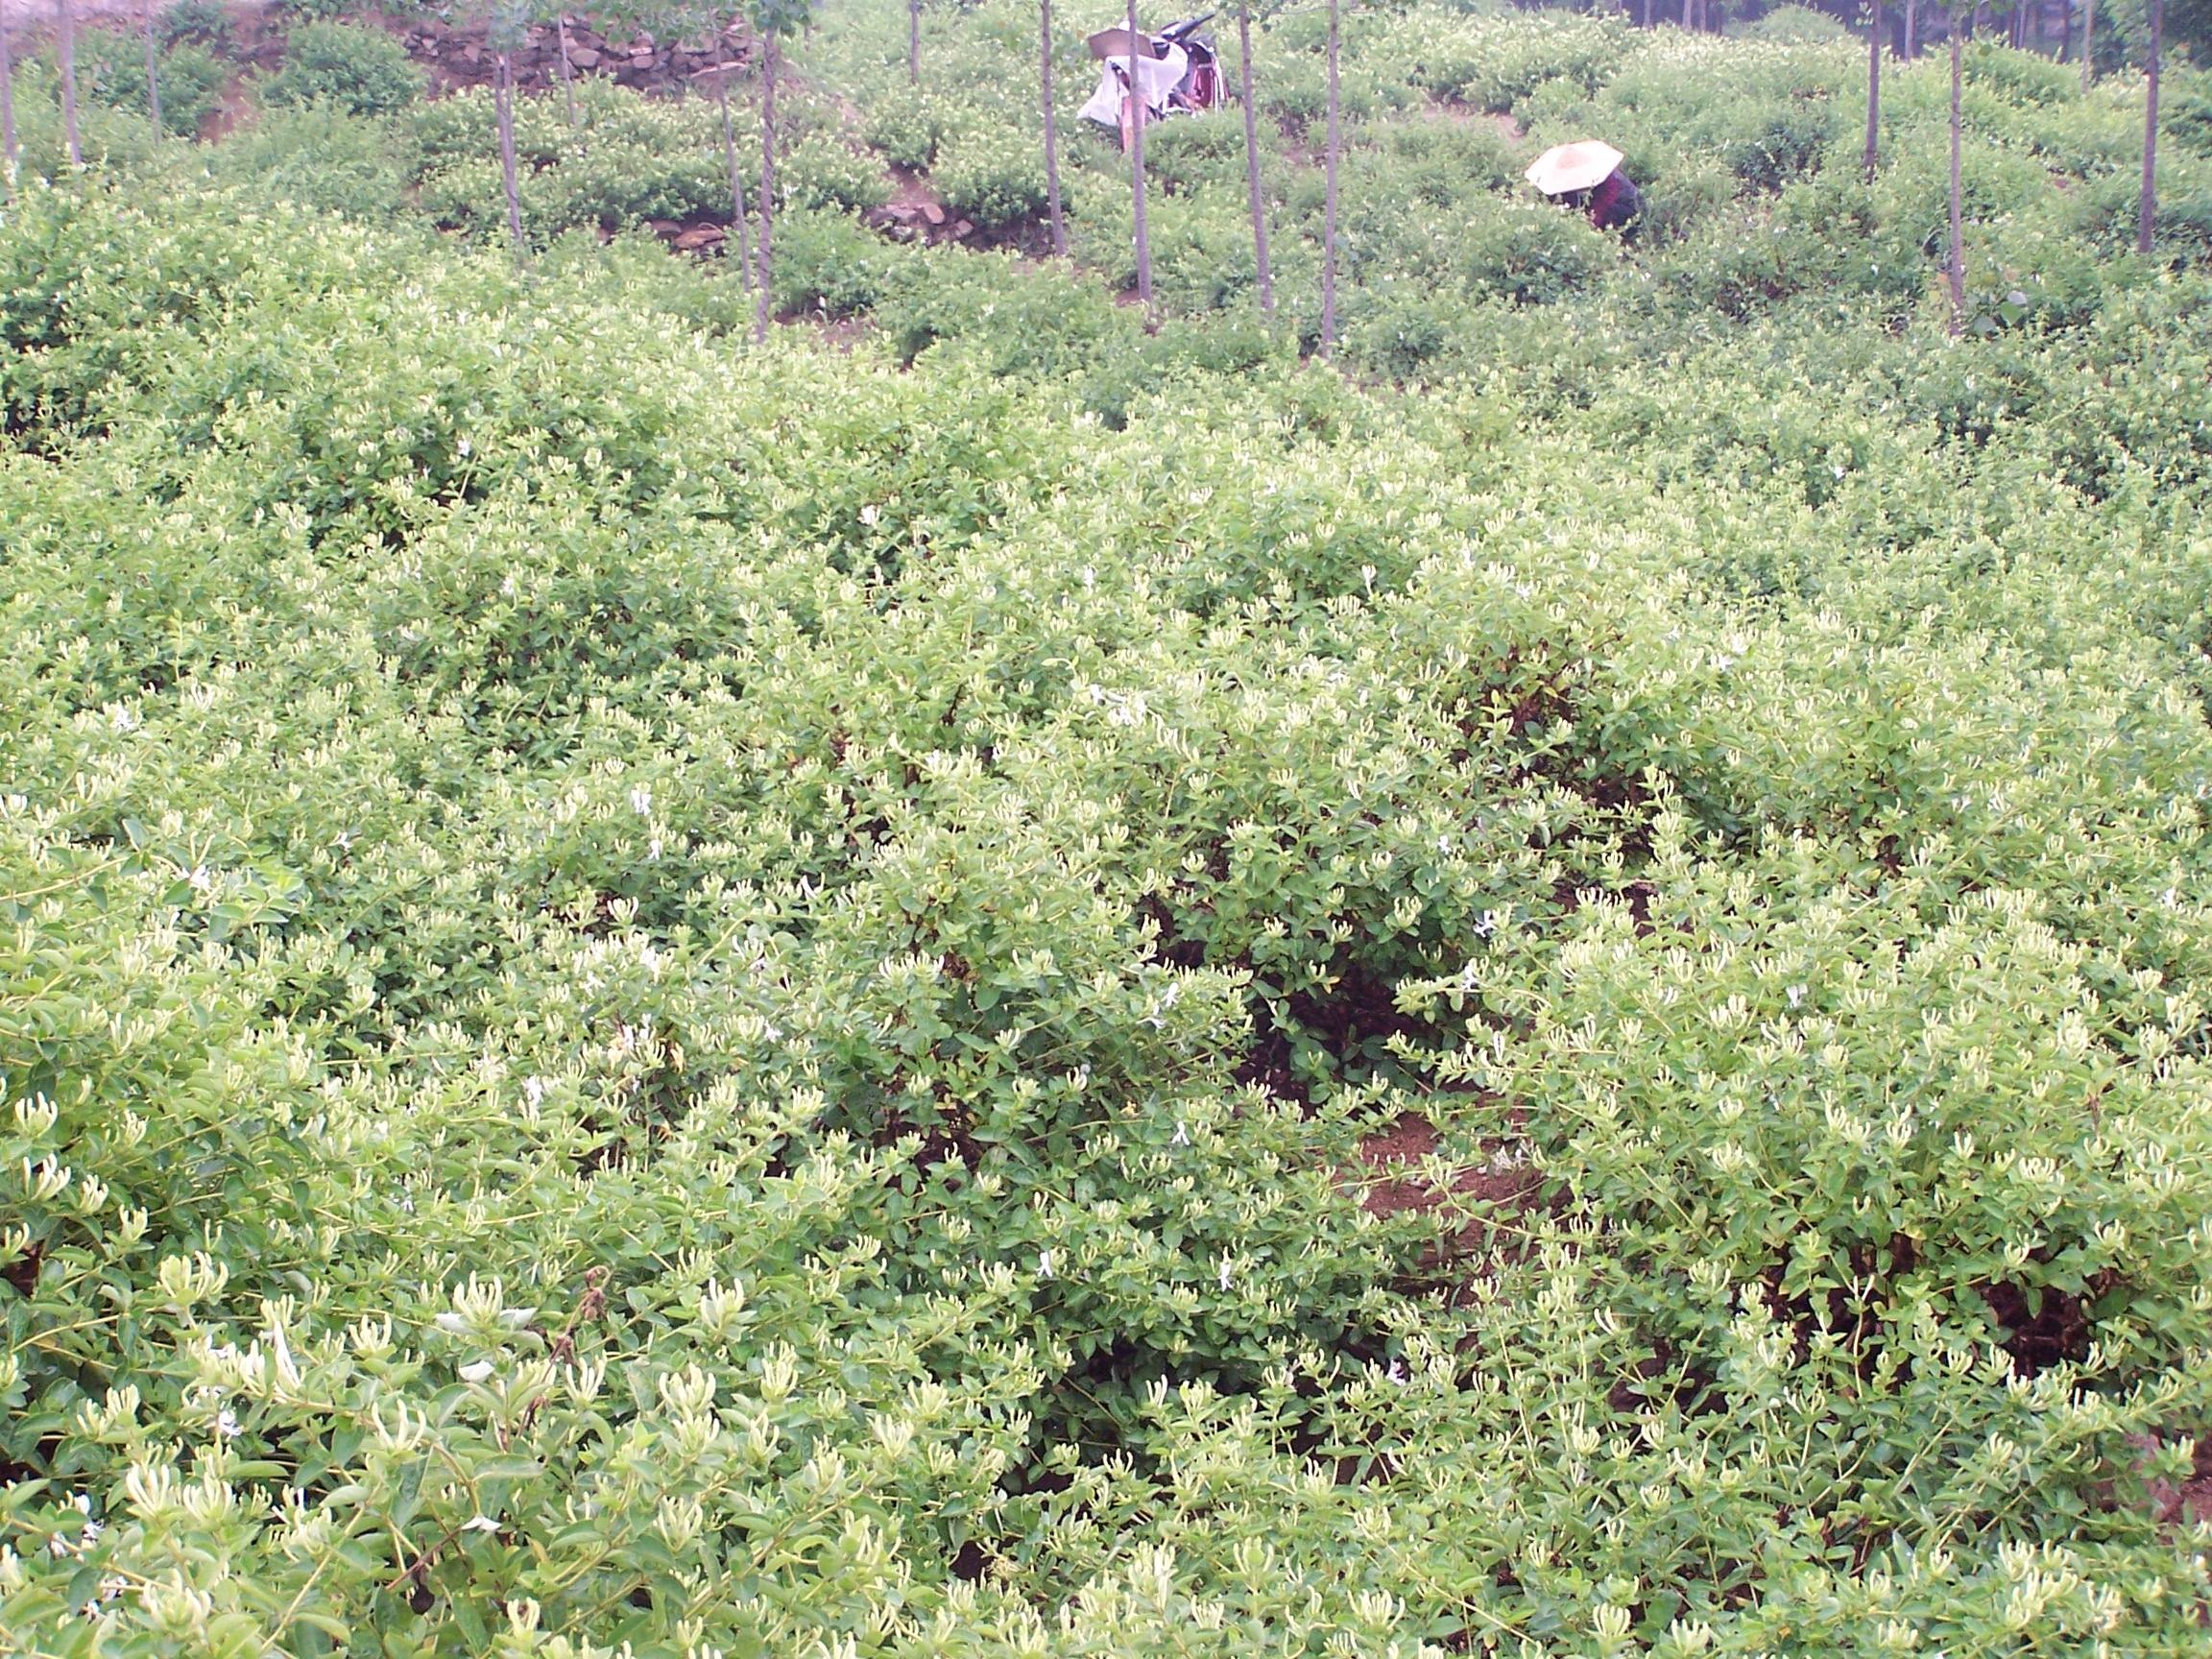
1328,193
1647,13
1252,159
1912,28
567,70
2066,32
770,63
1052,132
913,42
70,83
153,74
1957,271
1137,114
737,222
2089,42
509,175
6,98
1874,92
2147,210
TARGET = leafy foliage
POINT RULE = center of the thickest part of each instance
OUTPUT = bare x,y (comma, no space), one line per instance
360,71
111,70
1061,985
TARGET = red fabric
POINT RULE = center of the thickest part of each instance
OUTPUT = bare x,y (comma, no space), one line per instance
1603,198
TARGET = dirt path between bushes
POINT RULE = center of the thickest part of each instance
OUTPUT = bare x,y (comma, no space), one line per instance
40,15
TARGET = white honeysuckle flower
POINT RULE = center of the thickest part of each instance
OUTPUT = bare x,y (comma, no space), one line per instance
477,1371
641,799
479,1523
1182,1135
1043,1263
227,1424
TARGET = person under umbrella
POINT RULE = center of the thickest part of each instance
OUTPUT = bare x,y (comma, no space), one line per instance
1588,176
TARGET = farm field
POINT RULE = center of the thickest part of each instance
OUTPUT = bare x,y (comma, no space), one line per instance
1015,972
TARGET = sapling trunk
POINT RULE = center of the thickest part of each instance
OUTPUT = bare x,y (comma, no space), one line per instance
1252,158
70,83
1329,190
1957,271
1912,28
1874,92
6,98
567,71
509,175
2089,42
153,73
2146,207
1051,130
738,228
1137,113
913,42
770,61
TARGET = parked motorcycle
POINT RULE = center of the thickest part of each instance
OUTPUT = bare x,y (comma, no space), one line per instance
1178,71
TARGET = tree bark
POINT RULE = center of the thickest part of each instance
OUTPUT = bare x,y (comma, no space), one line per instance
771,59
738,225
2066,32
1052,212
2147,209
1874,92
1912,28
1328,193
1252,159
567,71
2089,42
913,42
6,98
1137,114
153,74
70,83
1957,273
509,175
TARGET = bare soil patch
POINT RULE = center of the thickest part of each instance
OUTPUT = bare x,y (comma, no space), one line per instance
1398,1178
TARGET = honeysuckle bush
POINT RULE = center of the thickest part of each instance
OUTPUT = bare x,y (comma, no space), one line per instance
726,999
1748,150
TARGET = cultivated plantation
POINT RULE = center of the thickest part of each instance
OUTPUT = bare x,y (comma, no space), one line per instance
1527,969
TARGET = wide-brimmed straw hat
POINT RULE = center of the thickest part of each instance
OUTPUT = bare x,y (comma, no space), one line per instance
1115,44
1566,167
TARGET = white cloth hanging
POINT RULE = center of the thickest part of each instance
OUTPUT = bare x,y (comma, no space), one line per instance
1157,77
